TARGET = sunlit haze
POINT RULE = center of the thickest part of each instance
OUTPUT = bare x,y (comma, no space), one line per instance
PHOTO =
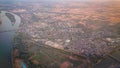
60,33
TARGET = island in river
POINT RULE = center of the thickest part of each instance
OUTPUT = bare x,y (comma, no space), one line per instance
11,17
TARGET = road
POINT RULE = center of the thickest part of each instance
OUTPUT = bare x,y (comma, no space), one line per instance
110,59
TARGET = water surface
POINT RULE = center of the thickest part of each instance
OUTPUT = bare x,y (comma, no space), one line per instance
7,31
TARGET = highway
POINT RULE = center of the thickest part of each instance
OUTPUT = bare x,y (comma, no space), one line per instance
111,59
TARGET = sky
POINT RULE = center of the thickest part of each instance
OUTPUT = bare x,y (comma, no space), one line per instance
60,0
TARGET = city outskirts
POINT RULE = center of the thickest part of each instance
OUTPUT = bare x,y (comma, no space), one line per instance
60,34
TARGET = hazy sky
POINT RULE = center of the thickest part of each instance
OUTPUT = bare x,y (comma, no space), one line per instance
61,0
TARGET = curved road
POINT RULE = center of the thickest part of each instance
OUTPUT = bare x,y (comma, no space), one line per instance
7,31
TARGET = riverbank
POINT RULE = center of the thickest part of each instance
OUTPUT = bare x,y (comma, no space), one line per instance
17,61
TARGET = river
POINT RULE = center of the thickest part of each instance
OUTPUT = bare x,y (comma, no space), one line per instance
7,32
